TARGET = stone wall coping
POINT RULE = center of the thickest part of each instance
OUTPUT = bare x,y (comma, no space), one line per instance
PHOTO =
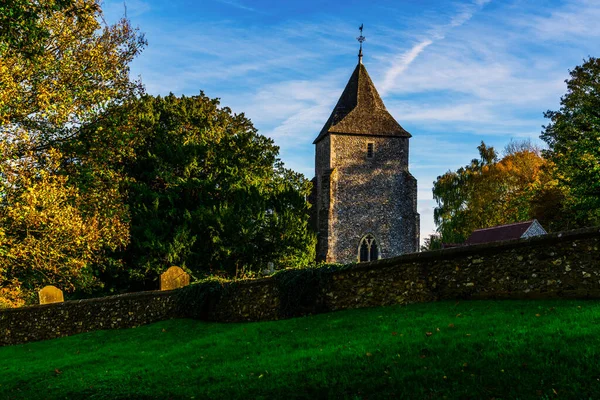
454,252
129,296
483,248
105,299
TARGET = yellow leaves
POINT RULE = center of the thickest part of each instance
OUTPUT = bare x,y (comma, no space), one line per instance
81,68
488,192
51,232
10,294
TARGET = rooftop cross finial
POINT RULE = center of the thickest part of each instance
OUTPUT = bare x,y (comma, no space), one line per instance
360,39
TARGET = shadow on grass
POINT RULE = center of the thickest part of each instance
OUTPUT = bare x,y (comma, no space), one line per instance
467,350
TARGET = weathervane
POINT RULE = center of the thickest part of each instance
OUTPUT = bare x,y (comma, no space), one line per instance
360,39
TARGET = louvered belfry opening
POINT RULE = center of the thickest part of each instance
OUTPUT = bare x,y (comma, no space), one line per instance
368,250
369,150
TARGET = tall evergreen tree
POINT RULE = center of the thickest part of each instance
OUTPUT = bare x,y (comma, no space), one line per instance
207,192
573,137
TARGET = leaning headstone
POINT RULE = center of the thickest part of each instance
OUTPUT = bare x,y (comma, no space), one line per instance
174,278
51,294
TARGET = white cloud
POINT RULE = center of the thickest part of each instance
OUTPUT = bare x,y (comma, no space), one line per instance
290,112
236,4
401,62
425,210
407,111
574,21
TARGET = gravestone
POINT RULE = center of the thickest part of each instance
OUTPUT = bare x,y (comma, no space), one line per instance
270,270
51,294
174,278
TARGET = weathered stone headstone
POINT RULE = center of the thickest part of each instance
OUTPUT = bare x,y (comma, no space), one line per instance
270,270
51,294
174,278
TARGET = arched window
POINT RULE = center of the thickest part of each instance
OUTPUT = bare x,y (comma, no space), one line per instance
368,250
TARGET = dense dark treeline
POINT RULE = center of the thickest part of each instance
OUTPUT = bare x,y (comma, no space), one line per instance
102,187
204,191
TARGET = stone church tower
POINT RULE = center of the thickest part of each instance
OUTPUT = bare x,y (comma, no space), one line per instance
365,202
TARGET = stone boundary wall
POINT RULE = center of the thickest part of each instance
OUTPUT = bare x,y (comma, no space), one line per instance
565,264
48,321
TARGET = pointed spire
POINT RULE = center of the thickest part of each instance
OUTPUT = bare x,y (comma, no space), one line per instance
360,110
360,39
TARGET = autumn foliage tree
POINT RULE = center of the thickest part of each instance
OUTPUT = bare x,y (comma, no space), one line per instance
83,67
60,211
21,23
490,191
48,234
561,190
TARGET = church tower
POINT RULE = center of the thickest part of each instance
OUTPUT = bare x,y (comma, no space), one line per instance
365,204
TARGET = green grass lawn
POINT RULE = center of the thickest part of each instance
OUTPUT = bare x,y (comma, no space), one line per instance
469,349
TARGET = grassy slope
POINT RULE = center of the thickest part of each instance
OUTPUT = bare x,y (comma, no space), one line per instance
483,349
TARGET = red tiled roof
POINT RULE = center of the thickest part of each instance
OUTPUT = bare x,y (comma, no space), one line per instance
498,233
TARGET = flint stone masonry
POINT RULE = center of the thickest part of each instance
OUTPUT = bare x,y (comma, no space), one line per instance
363,186
559,265
48,321
376,196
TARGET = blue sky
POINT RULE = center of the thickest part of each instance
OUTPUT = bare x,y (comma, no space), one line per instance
453,73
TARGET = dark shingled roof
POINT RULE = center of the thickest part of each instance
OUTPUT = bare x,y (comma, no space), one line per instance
360,110
498,233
